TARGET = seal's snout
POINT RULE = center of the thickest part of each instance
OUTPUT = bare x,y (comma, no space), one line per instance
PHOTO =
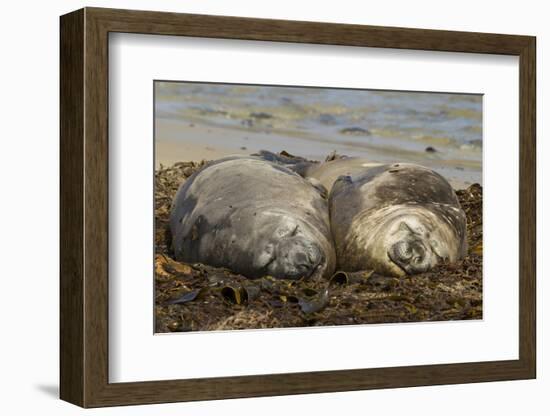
410,255
307,258
298,257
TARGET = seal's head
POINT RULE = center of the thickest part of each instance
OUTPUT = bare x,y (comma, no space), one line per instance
291,253
412,239
414,248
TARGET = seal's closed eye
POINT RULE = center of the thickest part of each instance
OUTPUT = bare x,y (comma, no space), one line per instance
266,257
404,227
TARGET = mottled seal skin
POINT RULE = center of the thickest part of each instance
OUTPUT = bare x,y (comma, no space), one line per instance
323,173
255,218
396,219
328,172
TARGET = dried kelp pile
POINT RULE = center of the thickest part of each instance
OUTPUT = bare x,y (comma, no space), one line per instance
197,297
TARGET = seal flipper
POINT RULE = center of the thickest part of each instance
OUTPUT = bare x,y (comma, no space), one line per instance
296,164
283,158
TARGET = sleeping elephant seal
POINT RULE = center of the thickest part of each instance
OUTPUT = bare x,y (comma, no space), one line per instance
396,219
255,218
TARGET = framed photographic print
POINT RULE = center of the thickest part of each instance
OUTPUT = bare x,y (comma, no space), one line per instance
255,207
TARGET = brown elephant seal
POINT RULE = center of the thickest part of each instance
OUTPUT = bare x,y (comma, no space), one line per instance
255,218
396,219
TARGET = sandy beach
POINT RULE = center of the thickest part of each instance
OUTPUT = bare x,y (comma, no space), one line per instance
169,153
177,141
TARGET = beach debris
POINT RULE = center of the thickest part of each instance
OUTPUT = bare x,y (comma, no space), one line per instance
187,297
327,119
261,115
378,282
316,303
160,261
340,278
174,267
286,154
346,278
175,326
478,249
166,267
216,279
252,292
212,112
355,131
234,295
240,295
333,156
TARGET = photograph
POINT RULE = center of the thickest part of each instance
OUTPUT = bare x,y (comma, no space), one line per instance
299,206
266,205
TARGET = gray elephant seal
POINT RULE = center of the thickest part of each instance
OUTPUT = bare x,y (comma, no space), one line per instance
396,219
255,218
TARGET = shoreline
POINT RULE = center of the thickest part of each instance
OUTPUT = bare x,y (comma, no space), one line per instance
177,141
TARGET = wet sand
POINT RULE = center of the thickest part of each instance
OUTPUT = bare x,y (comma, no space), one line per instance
169,153
177,140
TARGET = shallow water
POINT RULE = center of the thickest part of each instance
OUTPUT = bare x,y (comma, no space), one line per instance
440,130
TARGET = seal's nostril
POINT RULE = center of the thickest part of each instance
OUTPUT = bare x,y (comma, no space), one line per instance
402,251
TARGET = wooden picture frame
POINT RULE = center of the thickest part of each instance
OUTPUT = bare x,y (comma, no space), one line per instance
84,207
